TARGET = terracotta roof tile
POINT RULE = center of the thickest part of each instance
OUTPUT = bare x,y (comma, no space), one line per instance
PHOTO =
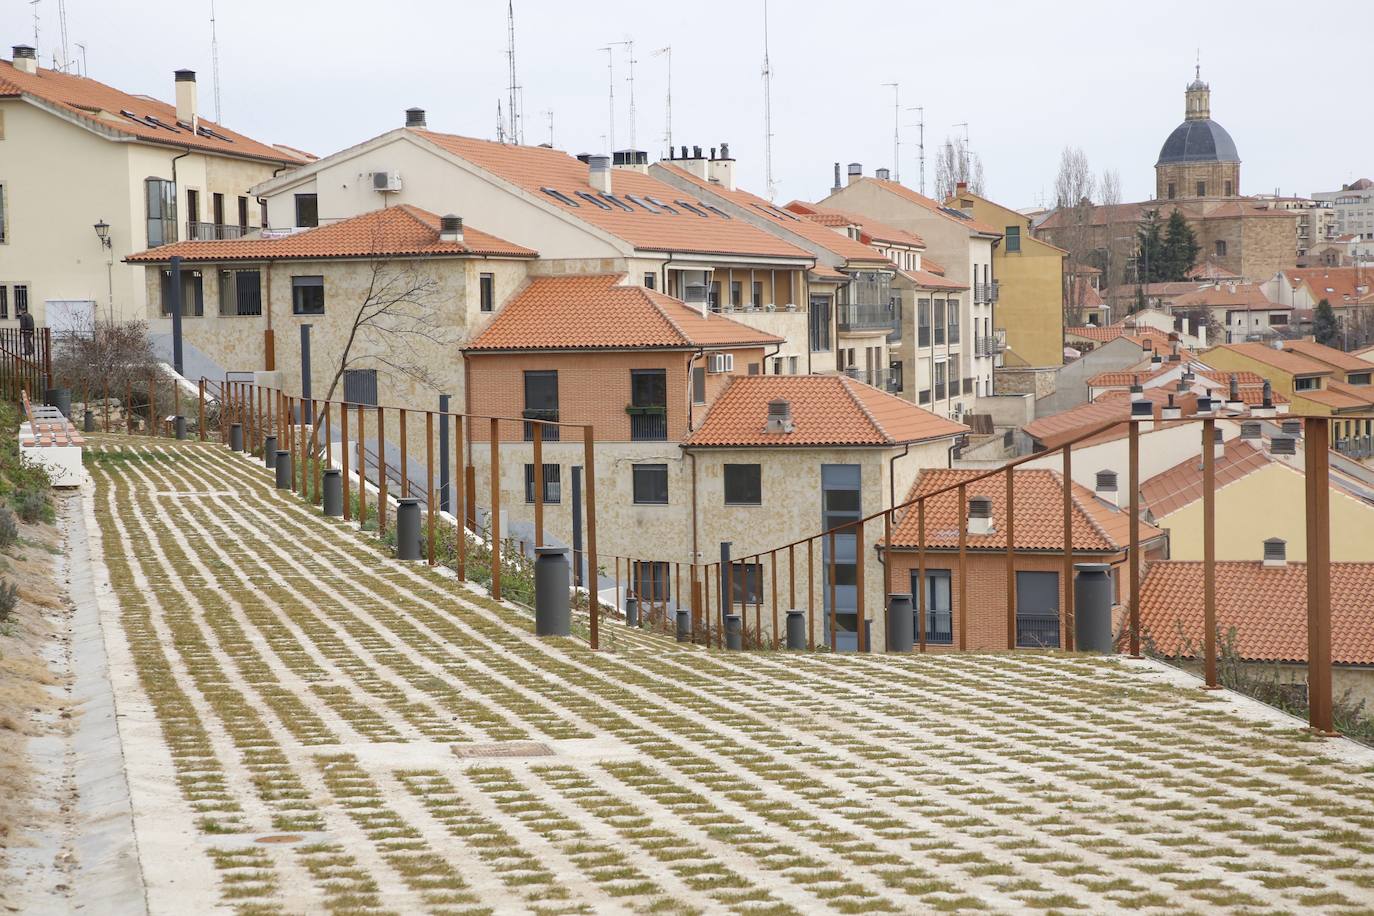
1228,295
400,231
873,229
1181,485
827,410
1338,359
1283,360
1340,396
1039,508
1056,429
102,107
1341,286
534,167
1266,606
600,313
927,280
974,226
1103,334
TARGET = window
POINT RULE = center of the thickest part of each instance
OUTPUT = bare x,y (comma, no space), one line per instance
541,402
307,295
360,386
618,202
938,604
1037,609
161,198
4,301
648,405
954,321
698,384
561,197
650,484
713,297
240,292
818,321
662,206
638,202
743,485
21,299
1354,378
592,200
792,363
1279,318
894,369
192,206
939,321
192,294
1013,238
1173,191
1306,384
650,581
307,210
746,583
690,209
757,299
650,280
840,503
4,223
1202,189
1229,189
243,215
553,488
924,397
736,293
777,365
923,323
1221,248
941,376
217,205
262,214
487,291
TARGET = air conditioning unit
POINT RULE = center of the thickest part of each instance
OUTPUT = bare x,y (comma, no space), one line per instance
386,182
720,362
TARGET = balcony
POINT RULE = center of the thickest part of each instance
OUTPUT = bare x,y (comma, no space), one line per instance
851,318
1037,631
648,424
209,232
987,347
547,433
987,293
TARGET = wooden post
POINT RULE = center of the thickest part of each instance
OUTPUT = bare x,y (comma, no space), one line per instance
1134,475
921,587
537,432
343,459
1209,556
381,470
963,567
429,482
1011,562
495,527
1068,549
1319,700
589,507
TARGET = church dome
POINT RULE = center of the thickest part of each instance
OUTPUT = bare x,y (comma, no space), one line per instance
1199,140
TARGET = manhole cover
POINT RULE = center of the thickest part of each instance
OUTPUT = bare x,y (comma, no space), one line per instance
280,838
504,749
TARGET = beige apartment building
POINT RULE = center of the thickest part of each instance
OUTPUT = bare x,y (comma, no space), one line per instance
90,174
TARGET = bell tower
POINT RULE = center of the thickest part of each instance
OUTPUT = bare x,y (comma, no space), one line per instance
1199,98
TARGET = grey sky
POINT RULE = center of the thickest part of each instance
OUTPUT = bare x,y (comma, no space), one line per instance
1028,77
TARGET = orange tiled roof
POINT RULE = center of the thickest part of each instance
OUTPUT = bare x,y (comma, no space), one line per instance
1056,429
1127,378
823,272
534,167
827,410
1244,378
104,108
1339,359
932,265
1039,509
1100,333
977,227
1283,360
1211,270
600,313
1340,396
927,280
1181,485
1228,295
873,230
400,231
1340,286
1266,606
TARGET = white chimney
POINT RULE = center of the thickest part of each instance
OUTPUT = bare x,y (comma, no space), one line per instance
451,228
186,97
779,416
25,59
1275,552
599,173
979,515
1106,488
722,168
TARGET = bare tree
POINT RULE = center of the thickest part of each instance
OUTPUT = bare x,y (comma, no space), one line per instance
95,358
956,163
1109,195
1073,192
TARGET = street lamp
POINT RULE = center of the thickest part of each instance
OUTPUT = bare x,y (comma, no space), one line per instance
102,232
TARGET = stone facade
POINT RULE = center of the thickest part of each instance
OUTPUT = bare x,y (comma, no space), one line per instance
1197,179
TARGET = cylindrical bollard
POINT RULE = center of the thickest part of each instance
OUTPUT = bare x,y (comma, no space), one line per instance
269,451
631,610
333,492
61,398
552,611
901,622
734,632
179,424
408,529
684,625
88,421
1092,601
796,630
236,437
283,466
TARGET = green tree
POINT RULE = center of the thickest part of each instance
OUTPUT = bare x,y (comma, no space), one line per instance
1150,241
1180,249
1325,328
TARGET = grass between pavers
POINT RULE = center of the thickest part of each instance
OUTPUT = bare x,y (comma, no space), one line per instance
844,767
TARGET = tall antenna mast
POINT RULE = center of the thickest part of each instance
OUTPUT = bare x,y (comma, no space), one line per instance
668,130
34,4
921,142
896,131
84,70
500,124
629,46
520,120
548,113
512,110
610,78
62,32
214,60
767,111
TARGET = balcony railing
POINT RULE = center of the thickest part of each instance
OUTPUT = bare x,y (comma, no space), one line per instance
549,433
940,627
209,232
1037,631
986,293
986,346
648,424
865,318
1356,446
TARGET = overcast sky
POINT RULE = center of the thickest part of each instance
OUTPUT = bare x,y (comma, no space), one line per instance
1029,78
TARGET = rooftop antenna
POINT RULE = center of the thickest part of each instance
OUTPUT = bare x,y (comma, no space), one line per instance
921,141
629,46
214,60
548,113
610,71
500,124
511,110
520,121
668,130
62,32
767,112
84,69
34,4
896,131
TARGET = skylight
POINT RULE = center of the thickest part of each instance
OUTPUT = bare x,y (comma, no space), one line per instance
691,209
618,202
591,199
560,197
661,205
640,203
716,210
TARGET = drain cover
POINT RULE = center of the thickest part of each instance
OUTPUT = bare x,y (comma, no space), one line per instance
504,749
280,838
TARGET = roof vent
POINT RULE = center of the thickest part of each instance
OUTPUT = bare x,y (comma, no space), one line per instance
1142,410
780,416
1205,404
25,59
979,515
415,117
1275,552
1249,430
882,174
1283,445
1107,487
599,173
1156,360
1171,411
1292,428
856,171
450,228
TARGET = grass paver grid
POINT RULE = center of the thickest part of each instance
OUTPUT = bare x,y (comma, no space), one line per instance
855,784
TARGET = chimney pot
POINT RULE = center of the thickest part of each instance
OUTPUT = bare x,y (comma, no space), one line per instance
713,154
599,172
684,152
415,117
696,152
1275,552
856,171
186,97
724,150
1292,428
837,176
779,416
451,228
979,515
961,187
1250,429
25,59
882,174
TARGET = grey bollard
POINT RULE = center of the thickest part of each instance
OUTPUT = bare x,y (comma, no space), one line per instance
333,492
796,630
901,620
236,437
179,424
684,625
61,398
88,421
408,529
269,451
1092,601
283,466
631,610
734,632
552,609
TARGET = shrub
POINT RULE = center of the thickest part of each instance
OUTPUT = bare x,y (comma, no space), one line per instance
32,505
9,599
9,528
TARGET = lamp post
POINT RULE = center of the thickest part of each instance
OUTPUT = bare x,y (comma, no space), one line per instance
102,232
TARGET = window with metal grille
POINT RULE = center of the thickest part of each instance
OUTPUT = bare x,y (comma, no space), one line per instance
360,386
553,486
192,294
486,285
240,292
